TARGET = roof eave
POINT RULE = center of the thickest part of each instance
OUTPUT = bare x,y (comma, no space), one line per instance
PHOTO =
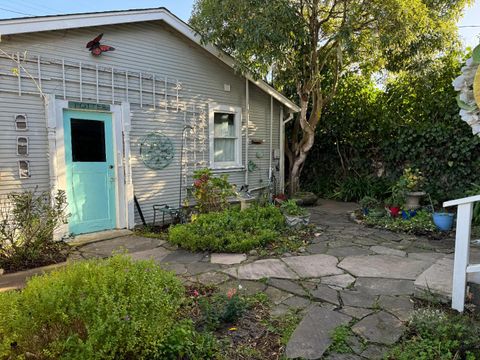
49,23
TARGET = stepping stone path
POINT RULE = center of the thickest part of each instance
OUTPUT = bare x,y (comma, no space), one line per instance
348,275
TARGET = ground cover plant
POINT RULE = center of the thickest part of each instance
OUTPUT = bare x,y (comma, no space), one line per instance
437,334
230,230
28,221
420,224
100,309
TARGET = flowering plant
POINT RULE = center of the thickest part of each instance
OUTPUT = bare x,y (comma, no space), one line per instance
211,193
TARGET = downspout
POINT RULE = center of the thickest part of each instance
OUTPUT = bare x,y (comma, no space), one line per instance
247,124
271,139
282,147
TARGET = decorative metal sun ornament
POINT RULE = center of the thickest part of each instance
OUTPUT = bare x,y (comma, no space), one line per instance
468,86
157,151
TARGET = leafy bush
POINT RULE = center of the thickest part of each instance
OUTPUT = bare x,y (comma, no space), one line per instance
291,208
229,231
211,193
27,223
369,202
419,224
97,309
437,335
221,309
355,188
413,121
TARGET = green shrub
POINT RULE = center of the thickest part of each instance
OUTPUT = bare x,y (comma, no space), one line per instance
97,309
231,230
291,208
211,193
27,222
437,335
221,309
354,188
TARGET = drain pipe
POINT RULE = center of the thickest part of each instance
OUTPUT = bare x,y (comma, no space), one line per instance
282,148
270,156
247,124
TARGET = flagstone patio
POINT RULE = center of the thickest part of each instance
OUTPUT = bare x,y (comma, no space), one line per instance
349,274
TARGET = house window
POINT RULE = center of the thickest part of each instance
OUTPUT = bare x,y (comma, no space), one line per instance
24,169
22,145
225,136
21,122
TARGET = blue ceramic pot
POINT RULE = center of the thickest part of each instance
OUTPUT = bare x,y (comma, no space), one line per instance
408,214
365,211
443,221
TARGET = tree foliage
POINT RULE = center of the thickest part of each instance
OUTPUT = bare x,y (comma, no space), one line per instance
373,133
307,44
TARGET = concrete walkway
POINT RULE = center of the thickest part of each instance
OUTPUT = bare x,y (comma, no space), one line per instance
349,275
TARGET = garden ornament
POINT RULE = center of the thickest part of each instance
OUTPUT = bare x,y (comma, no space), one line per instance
468,86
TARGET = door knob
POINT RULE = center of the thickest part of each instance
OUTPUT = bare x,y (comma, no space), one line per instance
110,166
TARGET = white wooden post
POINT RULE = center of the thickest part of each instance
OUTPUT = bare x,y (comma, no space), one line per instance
461,266
462,251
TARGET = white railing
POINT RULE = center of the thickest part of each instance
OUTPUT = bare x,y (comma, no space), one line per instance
462,266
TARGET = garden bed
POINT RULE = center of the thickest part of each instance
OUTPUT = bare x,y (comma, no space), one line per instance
421,224
119,308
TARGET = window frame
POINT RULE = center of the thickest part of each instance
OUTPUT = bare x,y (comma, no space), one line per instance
16,123
237,112
27,145
28,173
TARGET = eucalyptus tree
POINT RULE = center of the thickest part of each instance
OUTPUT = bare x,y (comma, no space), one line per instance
307,44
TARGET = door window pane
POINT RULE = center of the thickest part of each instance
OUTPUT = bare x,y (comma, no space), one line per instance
88,141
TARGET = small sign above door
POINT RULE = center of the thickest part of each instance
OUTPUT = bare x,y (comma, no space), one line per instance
88,106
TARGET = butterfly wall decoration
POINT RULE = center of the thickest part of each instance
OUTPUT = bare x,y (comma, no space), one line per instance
96,48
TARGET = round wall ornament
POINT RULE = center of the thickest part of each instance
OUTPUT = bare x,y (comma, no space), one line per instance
468,87
157,150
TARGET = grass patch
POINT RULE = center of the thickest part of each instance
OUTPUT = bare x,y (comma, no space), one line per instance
340,337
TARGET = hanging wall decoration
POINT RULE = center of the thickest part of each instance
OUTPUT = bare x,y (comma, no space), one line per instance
96,48
468,86
157,151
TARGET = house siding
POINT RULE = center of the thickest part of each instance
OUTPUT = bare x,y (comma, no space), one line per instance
149,47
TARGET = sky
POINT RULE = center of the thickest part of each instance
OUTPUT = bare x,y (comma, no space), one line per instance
181,8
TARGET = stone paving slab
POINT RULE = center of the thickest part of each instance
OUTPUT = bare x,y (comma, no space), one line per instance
313,265
312,336
437,279
288,285
227,259
339,281
384,266
267,268
379,286
384,250
381,328
400,306
157,254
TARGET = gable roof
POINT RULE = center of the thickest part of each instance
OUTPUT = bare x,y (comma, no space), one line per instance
60,22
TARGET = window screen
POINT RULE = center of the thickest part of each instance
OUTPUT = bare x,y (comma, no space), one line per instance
88,141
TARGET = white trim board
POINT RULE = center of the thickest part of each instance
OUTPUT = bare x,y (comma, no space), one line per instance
61,22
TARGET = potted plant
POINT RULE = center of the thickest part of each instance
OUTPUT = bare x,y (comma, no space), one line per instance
295,216
443,220
395,202
368,203
412,181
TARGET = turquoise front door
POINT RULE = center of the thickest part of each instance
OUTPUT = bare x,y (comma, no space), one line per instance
90,171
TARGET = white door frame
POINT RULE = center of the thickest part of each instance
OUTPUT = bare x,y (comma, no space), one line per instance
121,126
